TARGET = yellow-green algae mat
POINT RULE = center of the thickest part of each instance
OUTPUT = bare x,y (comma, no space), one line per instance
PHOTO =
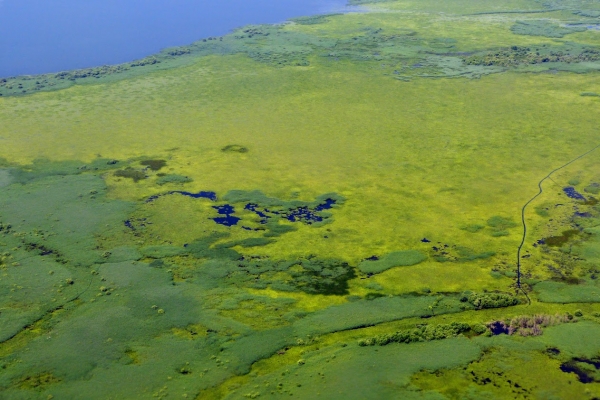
330,207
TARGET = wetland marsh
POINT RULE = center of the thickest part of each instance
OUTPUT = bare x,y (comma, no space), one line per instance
397,203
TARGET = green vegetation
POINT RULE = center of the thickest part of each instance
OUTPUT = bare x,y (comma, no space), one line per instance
355,372
234,148
374,167
544,28
473,228
516,366
490,300
424,333
500,223
134,174
394,259
557,241
459,254
543,54
313,20
172,178
593,188
560,292
154,165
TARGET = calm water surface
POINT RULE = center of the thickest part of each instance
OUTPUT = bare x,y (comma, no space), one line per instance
39,36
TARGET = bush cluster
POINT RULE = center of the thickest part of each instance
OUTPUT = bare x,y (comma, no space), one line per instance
490,300
421,334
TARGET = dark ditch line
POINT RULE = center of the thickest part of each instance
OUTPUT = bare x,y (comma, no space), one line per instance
523,215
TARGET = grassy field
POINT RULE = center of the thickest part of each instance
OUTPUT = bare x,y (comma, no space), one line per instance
234,222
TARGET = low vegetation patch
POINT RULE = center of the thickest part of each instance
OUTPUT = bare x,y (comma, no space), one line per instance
394,259
544,28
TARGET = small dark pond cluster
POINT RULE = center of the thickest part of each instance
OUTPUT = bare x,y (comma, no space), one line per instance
304,214
226,211
269,210
573,194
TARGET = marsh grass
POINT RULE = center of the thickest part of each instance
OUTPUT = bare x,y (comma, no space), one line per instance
289,117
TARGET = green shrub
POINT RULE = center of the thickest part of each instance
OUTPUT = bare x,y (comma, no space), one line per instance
154,165
473,228
466,254
131,173
542,211
275,229
234,148
424,333
501,223
490,300
593,188
249,242
479,329
172,178
395,259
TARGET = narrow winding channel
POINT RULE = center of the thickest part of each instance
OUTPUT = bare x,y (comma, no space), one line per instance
525,207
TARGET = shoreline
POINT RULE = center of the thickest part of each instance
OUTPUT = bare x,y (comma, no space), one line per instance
167,54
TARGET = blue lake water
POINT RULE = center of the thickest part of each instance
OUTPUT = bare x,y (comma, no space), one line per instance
39,36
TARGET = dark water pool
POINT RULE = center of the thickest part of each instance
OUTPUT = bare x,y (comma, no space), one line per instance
39,36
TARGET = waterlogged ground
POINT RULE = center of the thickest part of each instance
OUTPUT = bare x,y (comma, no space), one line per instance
330,207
